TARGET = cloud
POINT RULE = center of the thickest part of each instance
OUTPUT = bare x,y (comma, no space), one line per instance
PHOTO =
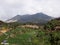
10,8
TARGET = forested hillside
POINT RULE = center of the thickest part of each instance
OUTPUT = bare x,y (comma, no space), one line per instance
23,34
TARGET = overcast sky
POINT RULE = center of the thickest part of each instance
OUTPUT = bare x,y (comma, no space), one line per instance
10,8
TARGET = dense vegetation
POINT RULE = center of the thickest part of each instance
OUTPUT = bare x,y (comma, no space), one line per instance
45,35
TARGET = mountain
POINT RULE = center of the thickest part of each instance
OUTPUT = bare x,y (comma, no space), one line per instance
34,18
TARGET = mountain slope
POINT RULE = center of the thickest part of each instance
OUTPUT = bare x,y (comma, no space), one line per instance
35,18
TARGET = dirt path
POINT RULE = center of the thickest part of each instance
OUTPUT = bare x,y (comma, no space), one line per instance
4,31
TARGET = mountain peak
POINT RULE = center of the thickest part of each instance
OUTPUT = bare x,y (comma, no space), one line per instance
41,14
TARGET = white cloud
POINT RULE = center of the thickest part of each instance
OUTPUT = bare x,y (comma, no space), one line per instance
10,8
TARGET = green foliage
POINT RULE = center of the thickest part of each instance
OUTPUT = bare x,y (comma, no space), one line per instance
28,36
51,24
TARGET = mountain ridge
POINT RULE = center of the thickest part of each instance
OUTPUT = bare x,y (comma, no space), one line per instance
35,18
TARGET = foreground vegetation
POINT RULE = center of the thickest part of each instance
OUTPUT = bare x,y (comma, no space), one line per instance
44,35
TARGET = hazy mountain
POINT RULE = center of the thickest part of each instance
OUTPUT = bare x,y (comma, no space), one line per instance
35,18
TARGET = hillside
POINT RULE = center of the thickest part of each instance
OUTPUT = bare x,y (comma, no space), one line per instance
53,24
49,34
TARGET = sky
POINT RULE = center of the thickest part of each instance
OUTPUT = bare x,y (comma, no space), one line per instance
11,8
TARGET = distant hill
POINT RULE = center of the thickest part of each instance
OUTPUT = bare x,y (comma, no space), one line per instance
1,22
34,18
57,18
54,24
